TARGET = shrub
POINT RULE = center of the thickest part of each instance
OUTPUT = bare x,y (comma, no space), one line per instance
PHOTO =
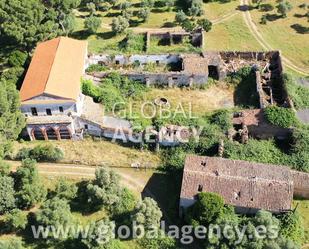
207,208
16,220
17,58
133,43
95,68
279,116
41,153
120,24
223,119
298,93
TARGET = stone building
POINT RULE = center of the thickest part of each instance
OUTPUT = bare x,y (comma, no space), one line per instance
247,186
51,97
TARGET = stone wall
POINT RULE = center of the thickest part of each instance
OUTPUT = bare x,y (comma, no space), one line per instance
301,184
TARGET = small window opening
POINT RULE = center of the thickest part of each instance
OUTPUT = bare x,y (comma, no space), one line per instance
34,111
200,188
48,112
60,109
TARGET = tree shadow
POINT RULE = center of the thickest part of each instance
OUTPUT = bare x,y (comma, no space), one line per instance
106,35
80,35
113,14
169,25
300,29
245,7
135,23
157,10
272,17
299,15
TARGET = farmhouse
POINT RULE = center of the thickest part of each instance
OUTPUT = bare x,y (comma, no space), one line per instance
247,186
51,97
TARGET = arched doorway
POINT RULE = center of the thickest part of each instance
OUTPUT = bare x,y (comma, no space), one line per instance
65,133
37,134
51,133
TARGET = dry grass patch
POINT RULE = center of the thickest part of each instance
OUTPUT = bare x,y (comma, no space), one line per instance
91,152
196,101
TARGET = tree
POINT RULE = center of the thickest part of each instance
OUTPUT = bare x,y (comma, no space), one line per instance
284,7
148,214
12,121
169,4
143,14
99,241
126,204
65,189
61,12
123,6
205,24
16,220
207,208
188,25
120,25
30,189
104,190
92,24
196,8
180,17
55,212
7,199
25,23
15,243
17,58
147,4
91,8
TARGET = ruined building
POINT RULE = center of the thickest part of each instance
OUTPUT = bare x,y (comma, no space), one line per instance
247,186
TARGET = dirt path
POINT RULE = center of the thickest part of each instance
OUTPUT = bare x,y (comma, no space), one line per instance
225,17
258,36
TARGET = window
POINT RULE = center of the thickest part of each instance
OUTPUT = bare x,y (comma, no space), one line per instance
48,112
60,109
117,62
175,78
157,62
86,127
200,188
34,111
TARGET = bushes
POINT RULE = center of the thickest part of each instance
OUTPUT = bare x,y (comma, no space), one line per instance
282,117
95,68
113,89
299,94
41,153
16,220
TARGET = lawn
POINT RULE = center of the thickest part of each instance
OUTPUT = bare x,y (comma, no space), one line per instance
286,34
232,34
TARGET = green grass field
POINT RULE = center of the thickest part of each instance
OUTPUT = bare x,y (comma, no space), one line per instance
284,34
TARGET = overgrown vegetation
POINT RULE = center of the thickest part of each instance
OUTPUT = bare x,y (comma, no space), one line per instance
41,153
114,89
297,92
279,116
210,209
